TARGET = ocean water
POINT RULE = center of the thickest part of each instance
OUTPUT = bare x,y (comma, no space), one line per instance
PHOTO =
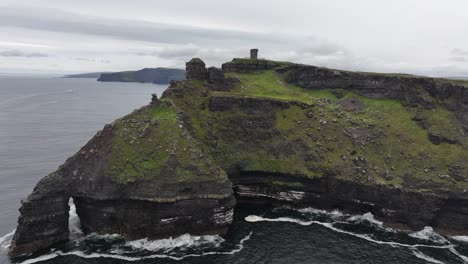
43,121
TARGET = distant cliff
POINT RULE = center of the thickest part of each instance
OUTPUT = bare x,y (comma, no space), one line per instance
146,75
93,75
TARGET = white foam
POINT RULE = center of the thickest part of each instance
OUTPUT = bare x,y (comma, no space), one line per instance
460,238
330,226
40,258
181,242
428,234
74,222
455,252
72,212
333,214
103,236
121,257
253,218
6,239
425,257
368,217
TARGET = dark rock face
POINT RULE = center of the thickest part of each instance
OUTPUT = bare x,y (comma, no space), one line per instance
250,106
137,219
215,75
146,75
218,82
408,210
352,105
196,70
42,223
438,139
250,65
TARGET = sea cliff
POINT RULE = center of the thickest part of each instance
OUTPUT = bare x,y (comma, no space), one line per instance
146,75
264,132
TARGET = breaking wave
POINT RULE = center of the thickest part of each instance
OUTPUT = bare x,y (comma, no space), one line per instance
182,242
425,257
342,223
460,238
82,254
5,240
421,244
429,234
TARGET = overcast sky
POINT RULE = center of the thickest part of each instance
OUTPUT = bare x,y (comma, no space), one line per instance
73,36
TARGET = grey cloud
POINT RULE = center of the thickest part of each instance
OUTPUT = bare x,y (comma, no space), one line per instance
459,59
172,52
92,60
320,48
447,70
459,52
61,21
18,53
181,53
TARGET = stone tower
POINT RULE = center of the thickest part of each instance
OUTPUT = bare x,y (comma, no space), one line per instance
195,70
254,54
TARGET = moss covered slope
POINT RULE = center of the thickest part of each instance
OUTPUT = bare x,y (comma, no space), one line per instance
265,124
152,144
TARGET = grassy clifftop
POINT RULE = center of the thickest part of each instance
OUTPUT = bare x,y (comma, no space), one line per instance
332,132
265,124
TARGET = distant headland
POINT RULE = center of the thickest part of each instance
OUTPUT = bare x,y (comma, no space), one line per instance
158,75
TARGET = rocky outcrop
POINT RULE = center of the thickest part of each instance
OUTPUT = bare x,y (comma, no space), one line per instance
196,70
266,133
146,75
251,65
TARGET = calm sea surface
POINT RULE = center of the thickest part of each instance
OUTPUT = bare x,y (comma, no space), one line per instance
43,121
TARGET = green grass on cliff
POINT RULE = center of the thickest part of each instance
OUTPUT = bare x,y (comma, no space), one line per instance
151,144
381,145
386,143
270,85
